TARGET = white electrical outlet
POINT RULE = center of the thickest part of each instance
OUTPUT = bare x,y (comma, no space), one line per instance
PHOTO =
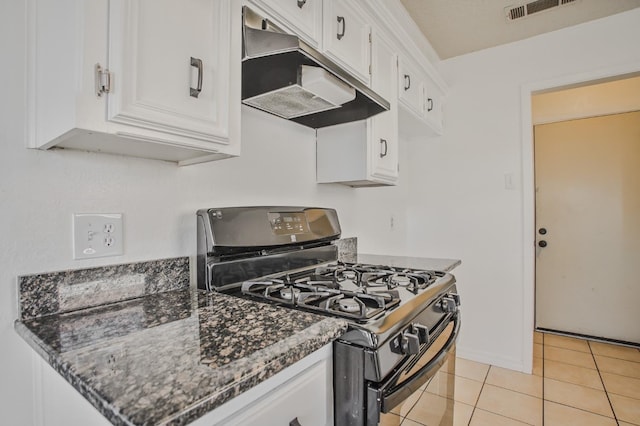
97,235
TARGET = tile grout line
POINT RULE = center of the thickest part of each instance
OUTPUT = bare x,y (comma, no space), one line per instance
597,369
403,418
606,392
475,405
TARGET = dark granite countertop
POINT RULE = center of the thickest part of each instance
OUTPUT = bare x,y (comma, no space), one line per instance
171,357
145,349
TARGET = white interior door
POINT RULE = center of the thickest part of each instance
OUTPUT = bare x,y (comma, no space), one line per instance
588,200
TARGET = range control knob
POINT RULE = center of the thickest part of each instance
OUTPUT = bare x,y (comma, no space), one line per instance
423,333
410,343
455,297
448,304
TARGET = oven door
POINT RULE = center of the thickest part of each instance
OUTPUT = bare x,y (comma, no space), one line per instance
388,402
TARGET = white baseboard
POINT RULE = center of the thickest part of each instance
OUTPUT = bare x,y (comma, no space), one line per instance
491,358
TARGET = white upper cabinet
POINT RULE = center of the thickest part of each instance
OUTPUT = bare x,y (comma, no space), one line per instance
339,29
365,153
301,17
347,37
410,86
147,78
433,98
383,140
173,59
421,97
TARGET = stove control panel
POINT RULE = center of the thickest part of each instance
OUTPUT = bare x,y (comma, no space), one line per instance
288,223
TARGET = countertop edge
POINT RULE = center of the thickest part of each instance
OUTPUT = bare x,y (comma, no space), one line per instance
107,410
293,350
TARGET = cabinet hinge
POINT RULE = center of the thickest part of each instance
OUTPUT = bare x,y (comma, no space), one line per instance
369,37
103,81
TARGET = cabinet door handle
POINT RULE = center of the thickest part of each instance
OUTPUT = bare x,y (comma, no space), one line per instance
407,82
383,152
301,3
430,104
195,62
344,27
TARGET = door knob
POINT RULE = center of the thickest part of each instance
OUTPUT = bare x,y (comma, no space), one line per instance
542,243
542,231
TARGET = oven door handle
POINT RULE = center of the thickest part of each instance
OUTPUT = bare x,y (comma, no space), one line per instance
390,398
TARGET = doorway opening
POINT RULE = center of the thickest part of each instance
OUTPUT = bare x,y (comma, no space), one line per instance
553,88
587,177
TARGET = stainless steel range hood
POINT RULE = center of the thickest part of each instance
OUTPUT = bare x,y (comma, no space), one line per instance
284,76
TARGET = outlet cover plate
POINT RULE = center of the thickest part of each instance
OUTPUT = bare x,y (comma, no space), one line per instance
97,235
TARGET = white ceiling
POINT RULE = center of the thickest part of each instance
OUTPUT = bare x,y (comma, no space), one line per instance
456,27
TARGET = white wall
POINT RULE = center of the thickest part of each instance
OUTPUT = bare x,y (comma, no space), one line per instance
40,190
459,205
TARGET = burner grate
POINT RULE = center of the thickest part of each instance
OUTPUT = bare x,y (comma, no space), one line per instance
354,291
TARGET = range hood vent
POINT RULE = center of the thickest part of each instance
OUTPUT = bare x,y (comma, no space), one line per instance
284,76
528,9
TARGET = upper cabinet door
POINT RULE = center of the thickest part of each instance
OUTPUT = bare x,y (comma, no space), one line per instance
410,86
347,37
170,61
432,101
383,150
302,17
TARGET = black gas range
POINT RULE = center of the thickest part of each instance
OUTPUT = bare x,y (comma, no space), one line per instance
403,322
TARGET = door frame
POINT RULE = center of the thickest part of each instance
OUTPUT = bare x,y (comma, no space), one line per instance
528,187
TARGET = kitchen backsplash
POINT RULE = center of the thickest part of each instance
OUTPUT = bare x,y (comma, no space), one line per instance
66,291
347,249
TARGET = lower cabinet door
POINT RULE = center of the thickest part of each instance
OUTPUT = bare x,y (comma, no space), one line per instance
306,397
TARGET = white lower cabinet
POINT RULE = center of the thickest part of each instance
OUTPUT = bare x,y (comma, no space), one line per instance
303,391
146,78
57,403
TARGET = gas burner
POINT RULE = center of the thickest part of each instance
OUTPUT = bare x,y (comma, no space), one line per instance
343,273
349,305
349,275
401,280
289,293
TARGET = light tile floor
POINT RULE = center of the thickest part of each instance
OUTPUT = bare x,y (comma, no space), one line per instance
574,382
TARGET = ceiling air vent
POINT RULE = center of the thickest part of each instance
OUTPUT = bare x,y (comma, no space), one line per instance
527,9
516,12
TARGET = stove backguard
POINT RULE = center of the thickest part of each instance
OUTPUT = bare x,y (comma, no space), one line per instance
235,244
